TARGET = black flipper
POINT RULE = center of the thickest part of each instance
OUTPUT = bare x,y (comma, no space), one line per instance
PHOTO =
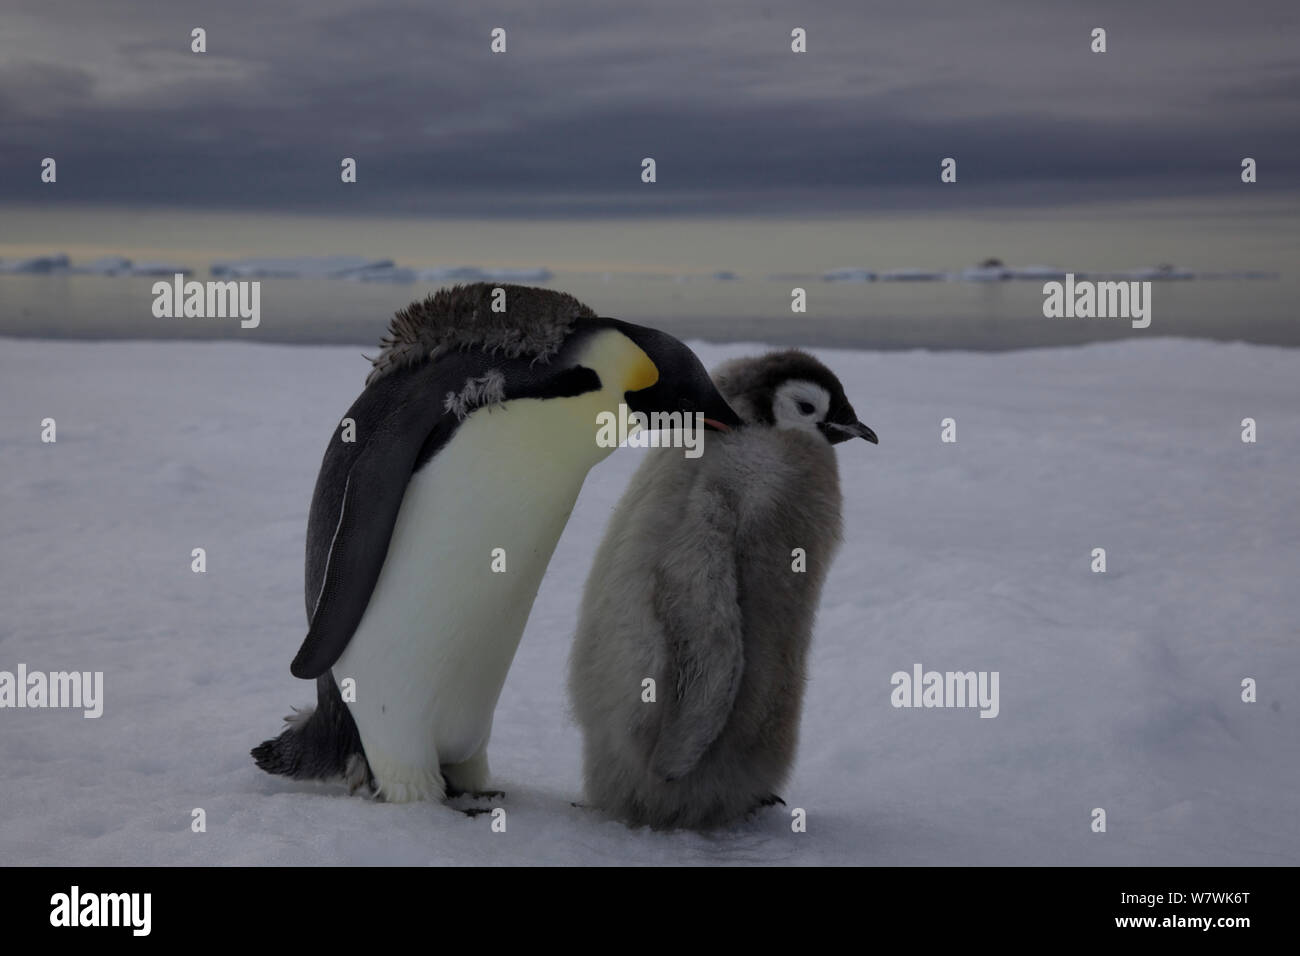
400,421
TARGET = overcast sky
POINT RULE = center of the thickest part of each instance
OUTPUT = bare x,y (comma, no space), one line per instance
558,125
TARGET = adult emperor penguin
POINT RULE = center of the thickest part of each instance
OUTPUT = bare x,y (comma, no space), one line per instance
439,503
707,583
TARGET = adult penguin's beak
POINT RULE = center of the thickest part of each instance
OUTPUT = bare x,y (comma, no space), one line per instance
683,384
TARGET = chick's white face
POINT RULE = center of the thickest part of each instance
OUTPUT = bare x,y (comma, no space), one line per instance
800,404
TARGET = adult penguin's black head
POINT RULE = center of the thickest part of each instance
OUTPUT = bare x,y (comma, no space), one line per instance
672,380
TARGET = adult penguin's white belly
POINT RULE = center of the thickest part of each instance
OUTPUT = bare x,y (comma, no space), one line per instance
437,638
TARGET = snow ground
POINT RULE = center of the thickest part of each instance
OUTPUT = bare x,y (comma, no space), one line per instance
1118,690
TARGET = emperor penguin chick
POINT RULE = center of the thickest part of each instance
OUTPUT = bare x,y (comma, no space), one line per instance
707,583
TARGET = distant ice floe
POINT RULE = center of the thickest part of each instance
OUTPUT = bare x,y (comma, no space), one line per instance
355,268
681,278
363,269
400,275
994,271
1158,272
370,269
105,266
849,275
35,265
459,274
913,275
299,267
984,274
1241,274
1037,272
475,274
57,263
158,269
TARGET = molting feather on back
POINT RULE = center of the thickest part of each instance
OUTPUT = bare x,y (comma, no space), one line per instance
534,324
487,389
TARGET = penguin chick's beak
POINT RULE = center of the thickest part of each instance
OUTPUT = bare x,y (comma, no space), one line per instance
836,433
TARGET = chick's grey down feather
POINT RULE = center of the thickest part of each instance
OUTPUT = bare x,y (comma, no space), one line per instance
693,587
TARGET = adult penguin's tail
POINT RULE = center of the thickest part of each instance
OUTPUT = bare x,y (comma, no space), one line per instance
319,744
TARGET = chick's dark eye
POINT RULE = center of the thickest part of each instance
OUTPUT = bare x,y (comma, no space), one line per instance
806,408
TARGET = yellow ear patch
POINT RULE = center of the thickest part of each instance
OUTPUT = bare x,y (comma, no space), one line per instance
623,366
642,373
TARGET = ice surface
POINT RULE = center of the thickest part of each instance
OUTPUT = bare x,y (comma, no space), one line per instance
1118,690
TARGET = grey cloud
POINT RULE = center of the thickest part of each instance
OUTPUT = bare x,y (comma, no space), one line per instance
559,124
